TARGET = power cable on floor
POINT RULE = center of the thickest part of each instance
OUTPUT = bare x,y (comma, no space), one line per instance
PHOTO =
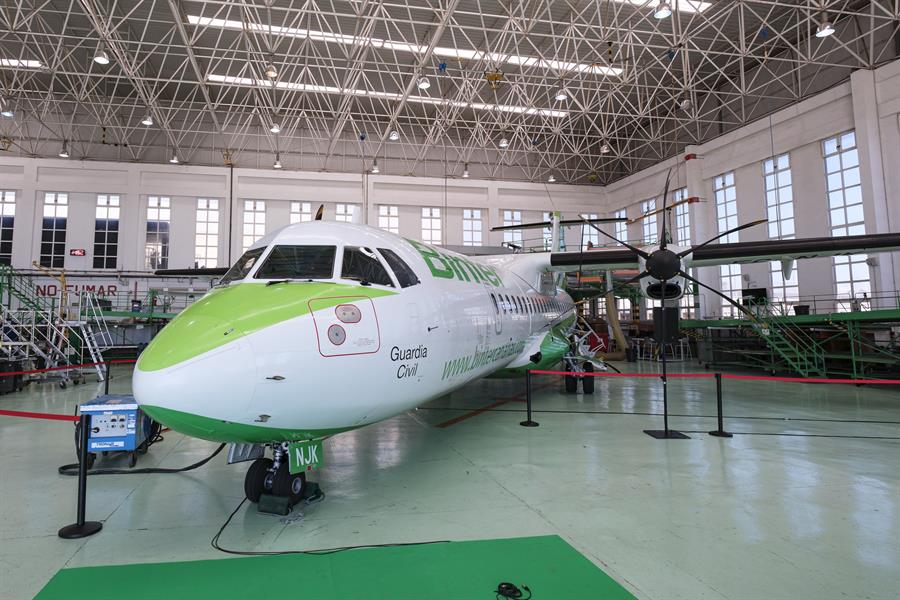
322,551
73,468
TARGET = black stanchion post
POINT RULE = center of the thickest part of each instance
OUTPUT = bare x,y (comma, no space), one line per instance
106,380
528,422
82,528
720,432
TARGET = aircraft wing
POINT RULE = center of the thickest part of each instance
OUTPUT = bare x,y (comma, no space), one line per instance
769,250
218,272
596,260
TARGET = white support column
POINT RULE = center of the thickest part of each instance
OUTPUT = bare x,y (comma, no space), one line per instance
703,227
875,203
29,210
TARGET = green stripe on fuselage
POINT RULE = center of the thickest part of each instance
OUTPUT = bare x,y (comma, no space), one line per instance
554,347
229,313
216,430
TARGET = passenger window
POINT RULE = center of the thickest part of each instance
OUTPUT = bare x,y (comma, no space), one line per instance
496,306
405,275
243,266
298,262
361,264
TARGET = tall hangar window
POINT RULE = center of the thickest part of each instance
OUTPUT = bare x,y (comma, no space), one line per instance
547,232
156,249
346,213
106,231
53,230
7,221
389,218
472,227
431,225
206,242
589,235
512,236
780,211
301,212
649,227
621,226
683,238
254,222
726,218
845,206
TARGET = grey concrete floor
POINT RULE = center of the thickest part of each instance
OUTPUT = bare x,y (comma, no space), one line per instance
803,503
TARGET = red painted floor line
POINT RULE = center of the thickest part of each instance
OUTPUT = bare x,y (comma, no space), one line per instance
471,414
483,409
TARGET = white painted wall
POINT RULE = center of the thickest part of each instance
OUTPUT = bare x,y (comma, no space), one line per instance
868,103
31,178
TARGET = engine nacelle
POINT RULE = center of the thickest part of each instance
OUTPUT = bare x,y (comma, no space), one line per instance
653,288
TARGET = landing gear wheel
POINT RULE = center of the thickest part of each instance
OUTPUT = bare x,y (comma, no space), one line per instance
587,383
255,479
571,382
287,484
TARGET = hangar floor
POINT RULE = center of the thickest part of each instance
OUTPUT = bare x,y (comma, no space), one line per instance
811,513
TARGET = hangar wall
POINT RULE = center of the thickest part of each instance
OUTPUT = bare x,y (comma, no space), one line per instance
868,103
30,179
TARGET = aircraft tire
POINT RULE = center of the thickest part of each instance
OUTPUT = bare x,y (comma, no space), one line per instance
289,485
587,383
571,382
253,480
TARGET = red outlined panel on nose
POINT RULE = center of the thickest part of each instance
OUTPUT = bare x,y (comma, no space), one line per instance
350,329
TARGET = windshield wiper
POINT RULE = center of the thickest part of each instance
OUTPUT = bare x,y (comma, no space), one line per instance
276,282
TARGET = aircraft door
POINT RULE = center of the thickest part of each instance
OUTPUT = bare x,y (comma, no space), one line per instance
496,314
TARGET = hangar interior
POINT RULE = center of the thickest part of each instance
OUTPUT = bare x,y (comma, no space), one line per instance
147,147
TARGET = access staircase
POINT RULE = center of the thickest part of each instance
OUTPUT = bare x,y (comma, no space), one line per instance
15,287
799,351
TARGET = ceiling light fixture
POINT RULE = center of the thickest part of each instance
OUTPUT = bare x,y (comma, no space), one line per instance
64,151
277,163
16,63
391,96
456,53
504,143
394,135
685,104
465,174
275,128
375,168
551,179
561,94
604,149
6,109
663,10
147,120
271,71
174,159
101,57
423,83
825,27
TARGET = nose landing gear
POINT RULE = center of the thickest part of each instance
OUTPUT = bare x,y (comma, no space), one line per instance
269,481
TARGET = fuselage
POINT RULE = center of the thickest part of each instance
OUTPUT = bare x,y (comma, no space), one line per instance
323,327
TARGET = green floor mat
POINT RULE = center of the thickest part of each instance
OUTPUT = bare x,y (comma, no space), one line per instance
456,570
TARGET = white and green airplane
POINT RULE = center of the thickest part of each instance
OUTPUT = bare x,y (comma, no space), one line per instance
325,327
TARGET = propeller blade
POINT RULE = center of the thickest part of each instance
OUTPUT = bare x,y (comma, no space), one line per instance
636,278
320,212
721,235
720,294
637,251
562,223
663,242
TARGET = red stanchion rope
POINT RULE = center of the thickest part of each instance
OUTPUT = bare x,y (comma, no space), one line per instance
724,376
121,361
34,415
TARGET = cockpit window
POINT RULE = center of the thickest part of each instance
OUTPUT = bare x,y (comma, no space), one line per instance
405,276
298,262
242,267
361,264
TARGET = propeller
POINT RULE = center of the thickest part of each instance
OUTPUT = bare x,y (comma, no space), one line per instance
721,235
634,249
